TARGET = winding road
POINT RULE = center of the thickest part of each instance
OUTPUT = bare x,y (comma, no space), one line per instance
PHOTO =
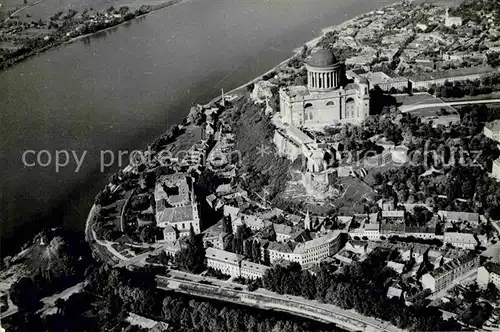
264,299
415,107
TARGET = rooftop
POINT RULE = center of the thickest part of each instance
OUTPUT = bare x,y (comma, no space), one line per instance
245,264
492,267
331,236
282,247
464,216
322,58
176,214
394,292
381,77
453,237
453,73
222,255
298,135
493,125
296,90
452,265
283,229
173,188
393,214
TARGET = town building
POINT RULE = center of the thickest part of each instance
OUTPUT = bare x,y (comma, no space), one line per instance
424,232
262,90
398,267
253,222
425,81
393,217
224,261
492,130
172,248
452,21
214,236
309,252
327,99
461,240
458,217
251,270
175,204
386,82
283,232
169,234
231,211
495,169
488,273
447,274
394,292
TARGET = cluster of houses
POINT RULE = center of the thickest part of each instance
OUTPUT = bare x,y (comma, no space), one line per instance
423,81
233,264
431,267
305,245
390,222
175,200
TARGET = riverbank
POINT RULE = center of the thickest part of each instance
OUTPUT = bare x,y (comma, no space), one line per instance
96,23
310,44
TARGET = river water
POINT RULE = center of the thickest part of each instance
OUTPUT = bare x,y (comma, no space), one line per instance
119,89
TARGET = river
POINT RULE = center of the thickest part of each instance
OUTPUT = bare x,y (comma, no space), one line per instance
119,89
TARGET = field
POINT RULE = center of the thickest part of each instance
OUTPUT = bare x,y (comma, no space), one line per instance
353,195
44,9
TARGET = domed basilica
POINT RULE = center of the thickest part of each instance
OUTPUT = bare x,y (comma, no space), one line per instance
327,99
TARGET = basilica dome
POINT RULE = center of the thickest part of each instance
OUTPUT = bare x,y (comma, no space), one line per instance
322,58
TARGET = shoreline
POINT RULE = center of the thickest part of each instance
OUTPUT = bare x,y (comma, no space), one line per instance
164,5
310,44
8,64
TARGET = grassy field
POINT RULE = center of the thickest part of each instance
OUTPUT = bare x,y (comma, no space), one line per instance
419,99
44,9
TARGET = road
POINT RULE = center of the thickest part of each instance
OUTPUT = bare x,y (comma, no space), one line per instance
268,300
415,107
48,302
20,10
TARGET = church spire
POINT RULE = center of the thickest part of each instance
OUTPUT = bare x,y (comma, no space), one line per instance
307,221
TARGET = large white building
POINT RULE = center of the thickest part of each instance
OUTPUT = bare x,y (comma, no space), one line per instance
447,274
306,253
327,99
492,130
489,273
251,270
175,204
386,82
461,240
450,217
224,261
233,264
495,169
452,21
253,222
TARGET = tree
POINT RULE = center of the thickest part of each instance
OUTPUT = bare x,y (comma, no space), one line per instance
24,295
60,304
308,285
492,292
227,225
248,248
191,257
148,234
256,252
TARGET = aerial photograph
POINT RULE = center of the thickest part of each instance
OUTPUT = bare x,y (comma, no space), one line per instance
249,165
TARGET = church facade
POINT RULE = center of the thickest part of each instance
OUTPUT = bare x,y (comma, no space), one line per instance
327,99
